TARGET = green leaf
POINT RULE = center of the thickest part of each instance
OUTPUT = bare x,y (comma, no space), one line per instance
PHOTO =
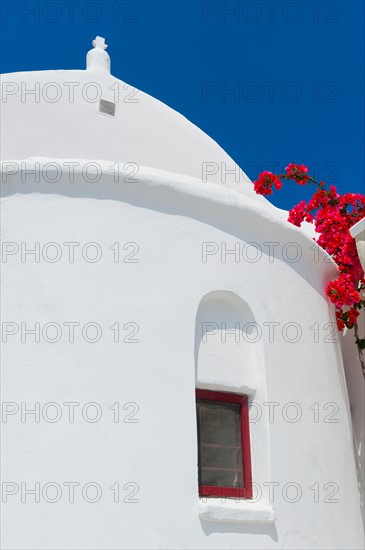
361,343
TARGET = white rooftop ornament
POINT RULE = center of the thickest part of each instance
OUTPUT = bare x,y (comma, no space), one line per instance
98,58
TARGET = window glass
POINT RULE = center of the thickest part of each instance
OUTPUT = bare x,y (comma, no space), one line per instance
220,443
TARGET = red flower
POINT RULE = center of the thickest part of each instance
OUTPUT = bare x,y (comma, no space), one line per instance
340,323
298,214
352,315
333,215
263,185
347,318
342,291
298,173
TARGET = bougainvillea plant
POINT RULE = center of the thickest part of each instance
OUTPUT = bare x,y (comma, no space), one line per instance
332,215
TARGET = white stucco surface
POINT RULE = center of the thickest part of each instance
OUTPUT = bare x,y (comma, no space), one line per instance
355,387
169,216
129,280
61,119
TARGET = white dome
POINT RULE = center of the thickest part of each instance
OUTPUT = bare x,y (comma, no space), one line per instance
56,114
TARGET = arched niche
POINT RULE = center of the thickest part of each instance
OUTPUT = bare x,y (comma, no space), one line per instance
228,348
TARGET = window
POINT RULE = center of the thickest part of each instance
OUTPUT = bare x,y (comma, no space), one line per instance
107,107
223,445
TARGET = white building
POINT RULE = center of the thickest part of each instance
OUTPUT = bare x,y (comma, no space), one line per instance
136,269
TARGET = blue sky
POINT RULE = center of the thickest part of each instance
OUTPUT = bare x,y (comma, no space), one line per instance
296,69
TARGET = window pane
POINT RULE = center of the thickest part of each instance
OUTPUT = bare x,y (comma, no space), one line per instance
219,443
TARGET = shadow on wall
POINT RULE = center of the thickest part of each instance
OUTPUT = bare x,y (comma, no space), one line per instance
356,389
210,527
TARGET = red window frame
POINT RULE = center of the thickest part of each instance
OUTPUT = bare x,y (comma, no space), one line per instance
232,492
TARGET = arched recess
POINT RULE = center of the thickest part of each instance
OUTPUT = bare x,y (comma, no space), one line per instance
228,347
229,357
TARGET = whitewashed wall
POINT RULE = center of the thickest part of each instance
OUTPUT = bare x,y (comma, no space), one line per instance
167,293
356,390
56,114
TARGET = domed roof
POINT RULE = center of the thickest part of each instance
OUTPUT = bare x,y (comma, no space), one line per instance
90,114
